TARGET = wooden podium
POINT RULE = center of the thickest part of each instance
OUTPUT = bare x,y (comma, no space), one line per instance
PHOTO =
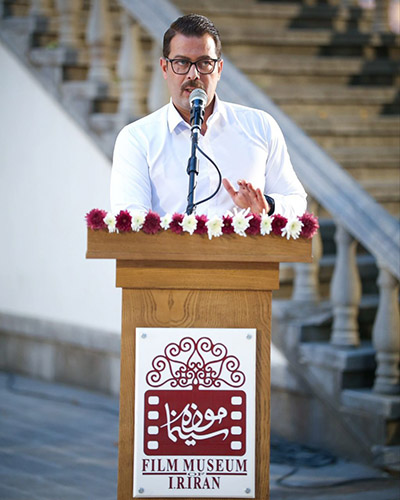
189,281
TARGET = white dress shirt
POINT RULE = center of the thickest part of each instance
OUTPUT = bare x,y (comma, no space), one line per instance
151,156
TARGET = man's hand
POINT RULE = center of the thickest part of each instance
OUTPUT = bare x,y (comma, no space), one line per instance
247,196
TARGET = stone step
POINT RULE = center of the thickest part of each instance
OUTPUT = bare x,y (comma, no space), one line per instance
387,190
279,76
258,15
47,39
328,139
367,156
309,42
323,93
268,70
326,100
370,164
324,110
330,66
75,72
49,34
350,125
377,168
54,56
17,8
387,193
345,131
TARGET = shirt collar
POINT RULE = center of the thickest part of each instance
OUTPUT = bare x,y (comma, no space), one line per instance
175,119
220,112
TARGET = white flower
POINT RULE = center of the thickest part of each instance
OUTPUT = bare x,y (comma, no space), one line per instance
109,220
292,229
138,218
214,227
266,223
241,222
166,221
189,223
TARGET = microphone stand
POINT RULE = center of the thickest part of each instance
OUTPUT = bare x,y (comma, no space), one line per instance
193,169
197,100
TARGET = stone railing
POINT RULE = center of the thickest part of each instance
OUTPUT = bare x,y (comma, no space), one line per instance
358,218
345,298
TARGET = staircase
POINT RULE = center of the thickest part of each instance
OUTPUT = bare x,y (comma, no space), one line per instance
332,68
322,65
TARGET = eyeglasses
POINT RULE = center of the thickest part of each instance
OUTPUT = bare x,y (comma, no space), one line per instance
182,66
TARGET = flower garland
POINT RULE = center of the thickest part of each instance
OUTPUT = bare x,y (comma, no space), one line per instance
241,222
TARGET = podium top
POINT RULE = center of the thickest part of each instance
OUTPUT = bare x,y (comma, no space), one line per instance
167,246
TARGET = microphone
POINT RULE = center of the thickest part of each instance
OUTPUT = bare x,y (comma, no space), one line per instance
198,101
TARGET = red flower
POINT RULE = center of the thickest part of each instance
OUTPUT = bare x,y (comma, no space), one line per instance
152,223
95,219
201,227
278,223
227,227
123,221
310,225
175,224
254,227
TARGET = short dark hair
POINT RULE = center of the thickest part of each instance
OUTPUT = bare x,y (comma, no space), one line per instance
191,25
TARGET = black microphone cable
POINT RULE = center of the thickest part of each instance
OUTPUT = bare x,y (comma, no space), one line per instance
219,175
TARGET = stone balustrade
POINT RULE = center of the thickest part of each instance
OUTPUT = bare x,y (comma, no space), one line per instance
345,299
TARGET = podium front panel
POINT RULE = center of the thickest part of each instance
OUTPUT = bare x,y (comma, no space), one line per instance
195,309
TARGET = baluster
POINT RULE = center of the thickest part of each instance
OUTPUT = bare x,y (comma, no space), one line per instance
40,8
158,93
394,17
381,16
366,4
306,279
386,335
130,70
345,291
98,37
69,11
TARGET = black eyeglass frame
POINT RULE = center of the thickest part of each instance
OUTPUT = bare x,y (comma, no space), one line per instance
191,63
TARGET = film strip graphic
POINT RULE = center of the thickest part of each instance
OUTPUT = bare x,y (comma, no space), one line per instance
195,422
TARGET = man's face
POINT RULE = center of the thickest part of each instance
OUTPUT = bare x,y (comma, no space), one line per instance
194,49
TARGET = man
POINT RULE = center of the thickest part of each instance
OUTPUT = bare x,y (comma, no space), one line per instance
151,154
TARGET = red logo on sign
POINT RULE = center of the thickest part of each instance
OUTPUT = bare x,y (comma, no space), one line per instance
190,420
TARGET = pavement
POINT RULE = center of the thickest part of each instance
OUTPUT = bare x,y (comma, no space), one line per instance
61,443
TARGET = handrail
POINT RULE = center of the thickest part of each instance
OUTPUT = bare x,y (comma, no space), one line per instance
324,178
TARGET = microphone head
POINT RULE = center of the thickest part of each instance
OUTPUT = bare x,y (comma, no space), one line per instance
198,94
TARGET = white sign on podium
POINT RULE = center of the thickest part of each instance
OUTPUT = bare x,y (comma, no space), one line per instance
194,413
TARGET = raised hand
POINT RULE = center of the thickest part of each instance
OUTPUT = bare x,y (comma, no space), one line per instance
247,196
